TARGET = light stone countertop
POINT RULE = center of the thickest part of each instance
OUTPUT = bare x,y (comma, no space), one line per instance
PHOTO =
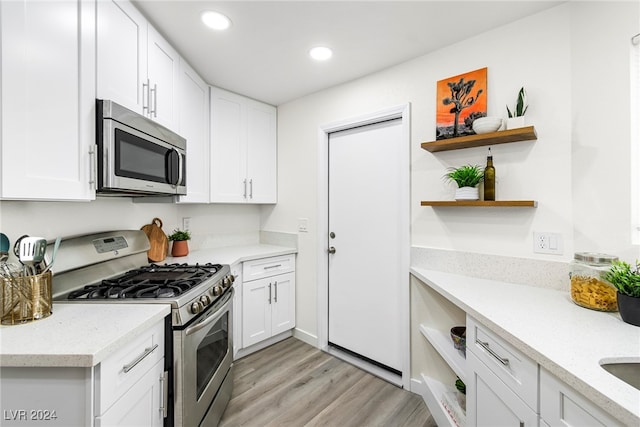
562,337
76,335
232,254
82,335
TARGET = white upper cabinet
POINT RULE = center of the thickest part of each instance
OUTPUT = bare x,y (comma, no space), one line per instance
193,119
136,66
162,73
243,149
47,100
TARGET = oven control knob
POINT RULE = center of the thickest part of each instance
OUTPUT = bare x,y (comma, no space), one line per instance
205,300
196,307
216,290
228,281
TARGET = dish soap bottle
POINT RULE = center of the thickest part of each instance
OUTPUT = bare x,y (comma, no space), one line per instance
489,179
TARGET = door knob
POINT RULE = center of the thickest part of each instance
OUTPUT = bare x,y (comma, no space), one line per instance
332,250
332,235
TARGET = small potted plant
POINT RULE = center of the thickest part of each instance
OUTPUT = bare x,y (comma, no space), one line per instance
626,279
467,177
516,117
180,246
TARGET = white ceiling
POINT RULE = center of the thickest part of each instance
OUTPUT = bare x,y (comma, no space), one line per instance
264,55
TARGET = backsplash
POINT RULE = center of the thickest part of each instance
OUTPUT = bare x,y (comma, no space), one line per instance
524,271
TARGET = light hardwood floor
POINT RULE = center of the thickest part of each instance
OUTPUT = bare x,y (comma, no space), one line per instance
294,384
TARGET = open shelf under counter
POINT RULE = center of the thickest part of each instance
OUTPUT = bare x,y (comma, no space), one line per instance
443,345
481,203
527,133
432,394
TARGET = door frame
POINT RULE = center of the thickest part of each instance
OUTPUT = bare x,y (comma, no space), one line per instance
402,112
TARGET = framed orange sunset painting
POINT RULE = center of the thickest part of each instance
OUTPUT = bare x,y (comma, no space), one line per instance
459,101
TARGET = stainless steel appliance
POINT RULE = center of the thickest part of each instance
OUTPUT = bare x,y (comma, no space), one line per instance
112,267
137,156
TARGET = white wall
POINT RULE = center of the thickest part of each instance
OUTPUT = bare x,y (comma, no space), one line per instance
211,225
548,53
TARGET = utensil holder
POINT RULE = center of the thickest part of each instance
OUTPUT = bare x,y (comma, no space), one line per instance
25,298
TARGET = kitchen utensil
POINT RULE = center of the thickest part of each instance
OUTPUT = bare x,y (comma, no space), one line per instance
53,255
32,252
159,243
16,245
4,247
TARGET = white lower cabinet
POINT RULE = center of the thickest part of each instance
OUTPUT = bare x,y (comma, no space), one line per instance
562,406
268,299
126,389
491,403
139,405
130,384
503,383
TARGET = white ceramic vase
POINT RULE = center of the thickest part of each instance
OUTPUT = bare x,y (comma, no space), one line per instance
467,193
515,122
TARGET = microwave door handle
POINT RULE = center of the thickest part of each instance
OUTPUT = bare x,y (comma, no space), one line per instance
170,163
180,168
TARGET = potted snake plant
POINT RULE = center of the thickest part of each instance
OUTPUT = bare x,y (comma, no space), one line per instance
626,279
516,116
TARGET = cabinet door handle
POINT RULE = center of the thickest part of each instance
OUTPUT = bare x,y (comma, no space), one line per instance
272,266
269,293
93,167
485,345
145,89
164,394
244,195
154,112
251,188
275,299
147,351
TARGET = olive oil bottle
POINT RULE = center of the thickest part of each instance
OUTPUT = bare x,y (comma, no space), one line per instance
489,179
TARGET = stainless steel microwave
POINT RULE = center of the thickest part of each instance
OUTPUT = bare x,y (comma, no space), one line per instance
137,156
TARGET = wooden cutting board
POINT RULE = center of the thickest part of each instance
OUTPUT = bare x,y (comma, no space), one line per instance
157,239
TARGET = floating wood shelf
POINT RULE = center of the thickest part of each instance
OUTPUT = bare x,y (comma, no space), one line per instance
527,133
483,203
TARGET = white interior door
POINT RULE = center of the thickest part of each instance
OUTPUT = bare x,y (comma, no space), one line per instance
365,271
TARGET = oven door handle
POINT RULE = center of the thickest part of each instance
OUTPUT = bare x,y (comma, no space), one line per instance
212,318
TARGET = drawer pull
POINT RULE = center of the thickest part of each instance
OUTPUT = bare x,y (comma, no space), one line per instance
272,266
485,345
147,351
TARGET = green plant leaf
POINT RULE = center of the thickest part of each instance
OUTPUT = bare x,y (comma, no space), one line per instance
180,235
625,278
466,176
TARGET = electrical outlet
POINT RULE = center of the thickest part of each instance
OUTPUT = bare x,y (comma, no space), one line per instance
547,243
303,225
186,223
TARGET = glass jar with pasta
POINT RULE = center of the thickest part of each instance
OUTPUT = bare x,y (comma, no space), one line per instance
588,287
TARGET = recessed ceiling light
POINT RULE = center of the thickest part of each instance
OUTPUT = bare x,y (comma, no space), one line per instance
215,20
321,53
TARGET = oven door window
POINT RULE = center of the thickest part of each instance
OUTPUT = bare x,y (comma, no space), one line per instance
141,159
211,352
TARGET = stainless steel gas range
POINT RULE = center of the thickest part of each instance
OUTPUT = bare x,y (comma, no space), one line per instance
112,267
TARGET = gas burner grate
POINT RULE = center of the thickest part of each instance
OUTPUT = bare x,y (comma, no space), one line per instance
150,281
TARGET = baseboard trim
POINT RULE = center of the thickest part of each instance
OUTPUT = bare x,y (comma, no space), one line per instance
365,366
306,337
262,344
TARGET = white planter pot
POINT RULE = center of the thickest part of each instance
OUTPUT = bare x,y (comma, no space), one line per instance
467,193
515,122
